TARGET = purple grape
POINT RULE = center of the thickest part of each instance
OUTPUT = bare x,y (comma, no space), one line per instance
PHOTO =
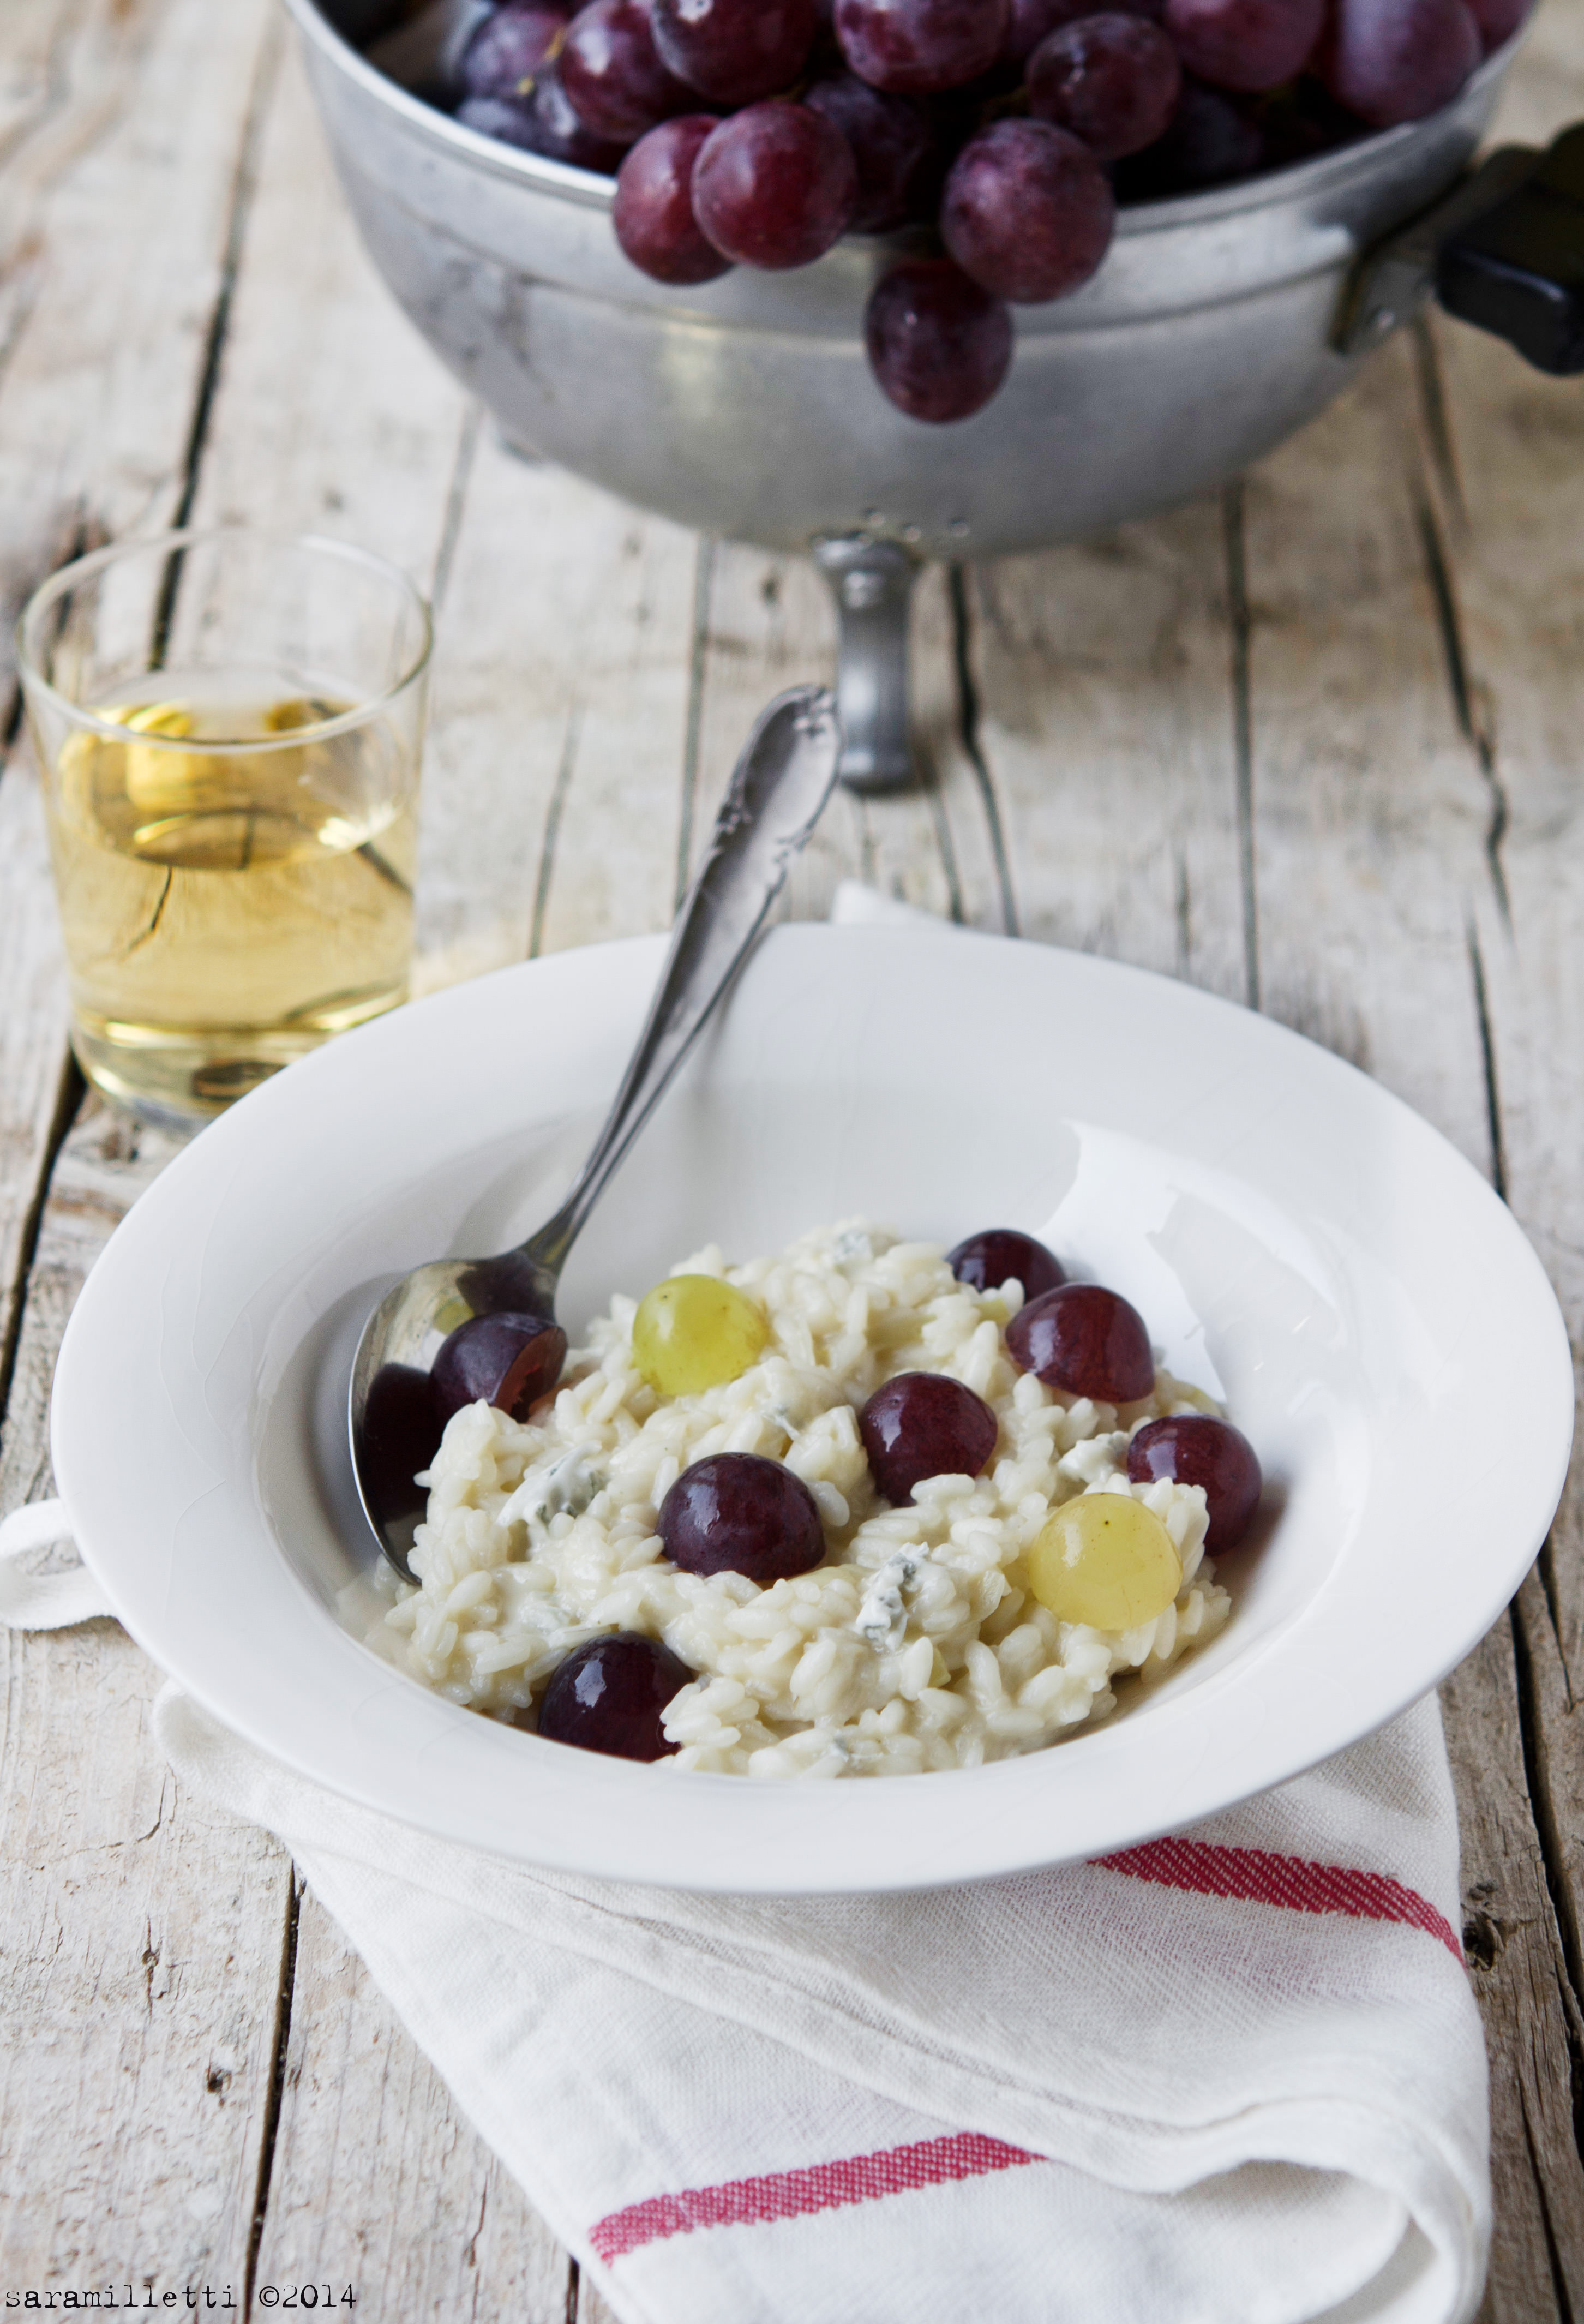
1033,21
734,51
1303,121
1210,142
1246,45
916,48
542,122
775,186
893,142
508,47
1197,1448
613,79
652,213
1000,1255
1027,211
739,1513
610,1694
1112,81
1085,1340
1497,20
923,1424
1394,61
509,1361
938,344
402,1433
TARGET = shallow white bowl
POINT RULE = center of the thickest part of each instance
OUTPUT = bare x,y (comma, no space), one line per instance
1299,1242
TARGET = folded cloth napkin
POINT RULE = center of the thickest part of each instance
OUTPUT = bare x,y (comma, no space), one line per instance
1234,2077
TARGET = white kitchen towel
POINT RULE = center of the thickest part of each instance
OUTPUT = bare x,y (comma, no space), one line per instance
1234,2077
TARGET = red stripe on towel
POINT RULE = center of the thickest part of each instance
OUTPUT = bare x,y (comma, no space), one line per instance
794,2194
1259,1877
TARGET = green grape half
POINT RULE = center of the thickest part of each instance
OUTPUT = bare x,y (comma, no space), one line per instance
1106,1560
694,1332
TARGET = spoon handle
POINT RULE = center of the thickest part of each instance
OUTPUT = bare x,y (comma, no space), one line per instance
781,785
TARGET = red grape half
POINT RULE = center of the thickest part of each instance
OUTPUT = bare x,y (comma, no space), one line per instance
1085,1340
1196,1448
610,1695
925,1425
739,1513
995,1256
509,1361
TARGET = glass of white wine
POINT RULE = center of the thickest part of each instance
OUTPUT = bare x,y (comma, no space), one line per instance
230,726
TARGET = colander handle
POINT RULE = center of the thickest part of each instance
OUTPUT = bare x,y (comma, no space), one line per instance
1505,251
873,581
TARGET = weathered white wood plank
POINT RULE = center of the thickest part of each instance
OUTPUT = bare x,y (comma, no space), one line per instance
1103,673
555,780
35,1077
139,1933
117,211
376,2180
330,414
142,1940
1371,811
1510,507
112,249
1510,1937
31,34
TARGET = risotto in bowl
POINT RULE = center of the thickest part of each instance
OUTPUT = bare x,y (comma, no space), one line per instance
827,1627
1299,1254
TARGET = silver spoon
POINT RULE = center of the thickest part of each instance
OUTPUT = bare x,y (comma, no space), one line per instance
494,1318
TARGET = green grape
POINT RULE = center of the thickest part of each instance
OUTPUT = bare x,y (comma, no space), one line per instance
694,1332
1106,1560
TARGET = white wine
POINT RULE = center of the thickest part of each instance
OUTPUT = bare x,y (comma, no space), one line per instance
228,908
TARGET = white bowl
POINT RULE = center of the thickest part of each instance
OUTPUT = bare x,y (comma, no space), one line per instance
1298,1242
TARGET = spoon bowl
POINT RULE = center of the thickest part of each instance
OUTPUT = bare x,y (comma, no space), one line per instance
456,1329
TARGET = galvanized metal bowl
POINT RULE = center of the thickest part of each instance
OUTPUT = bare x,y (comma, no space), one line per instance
746,407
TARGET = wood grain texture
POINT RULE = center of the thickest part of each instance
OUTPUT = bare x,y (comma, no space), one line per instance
327,413
1508,486
114,257
1372,805
1103,678
140,1937
376,2180
36,1082
139,1933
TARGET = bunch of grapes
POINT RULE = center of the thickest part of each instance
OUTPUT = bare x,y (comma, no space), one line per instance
757,132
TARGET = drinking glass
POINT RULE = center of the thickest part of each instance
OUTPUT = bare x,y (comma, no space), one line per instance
230,725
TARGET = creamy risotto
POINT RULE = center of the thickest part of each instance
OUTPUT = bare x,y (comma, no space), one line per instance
917,1644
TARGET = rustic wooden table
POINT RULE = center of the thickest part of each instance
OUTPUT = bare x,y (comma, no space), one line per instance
1314,746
